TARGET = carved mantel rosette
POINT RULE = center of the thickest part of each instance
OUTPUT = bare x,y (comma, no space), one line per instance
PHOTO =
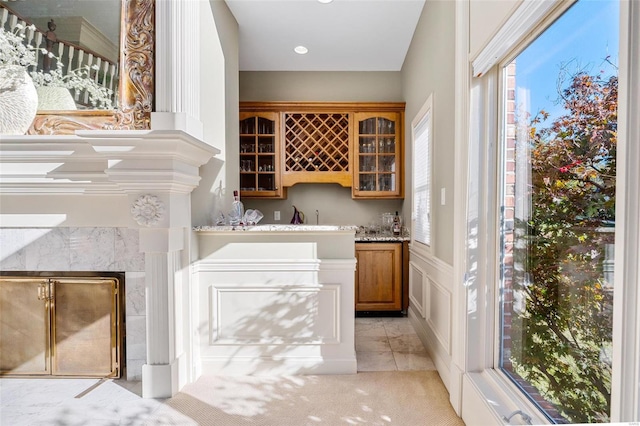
147,210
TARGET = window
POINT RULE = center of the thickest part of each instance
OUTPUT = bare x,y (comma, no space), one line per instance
421,216
558,214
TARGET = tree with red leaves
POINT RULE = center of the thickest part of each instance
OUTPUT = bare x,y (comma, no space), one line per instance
561,340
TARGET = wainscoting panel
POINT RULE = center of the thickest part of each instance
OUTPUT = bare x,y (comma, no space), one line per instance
289,315
417,288
433,279
439,313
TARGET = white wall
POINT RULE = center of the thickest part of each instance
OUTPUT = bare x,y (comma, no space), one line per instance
321,86
486,17
219,111
428,70
333,202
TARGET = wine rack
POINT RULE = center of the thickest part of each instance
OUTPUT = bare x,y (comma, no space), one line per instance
316,148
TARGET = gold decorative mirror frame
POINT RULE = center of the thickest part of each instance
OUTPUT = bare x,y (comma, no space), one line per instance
136,88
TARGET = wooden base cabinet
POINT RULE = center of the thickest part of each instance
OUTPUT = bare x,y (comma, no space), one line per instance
379,274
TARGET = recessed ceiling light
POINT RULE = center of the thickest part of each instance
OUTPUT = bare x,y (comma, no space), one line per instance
301,50
325,1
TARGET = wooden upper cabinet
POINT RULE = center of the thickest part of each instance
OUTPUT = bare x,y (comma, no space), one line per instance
378,155
260,155
357,145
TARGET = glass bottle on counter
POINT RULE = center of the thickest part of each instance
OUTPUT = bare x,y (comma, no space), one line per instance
397,225
236,214
387,223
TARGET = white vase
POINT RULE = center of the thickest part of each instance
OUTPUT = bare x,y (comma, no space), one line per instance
55,98
18,100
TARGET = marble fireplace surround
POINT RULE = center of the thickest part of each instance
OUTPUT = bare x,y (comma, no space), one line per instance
111,201
66,249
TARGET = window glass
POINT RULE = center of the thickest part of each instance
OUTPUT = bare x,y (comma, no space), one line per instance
421,229
558,220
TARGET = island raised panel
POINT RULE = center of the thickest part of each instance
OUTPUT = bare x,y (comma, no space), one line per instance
276,299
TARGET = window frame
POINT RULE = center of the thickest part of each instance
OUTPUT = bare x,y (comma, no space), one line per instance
425,111
486,392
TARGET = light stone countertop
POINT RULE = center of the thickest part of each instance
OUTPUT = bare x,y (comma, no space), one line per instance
360,232
362,236
277,228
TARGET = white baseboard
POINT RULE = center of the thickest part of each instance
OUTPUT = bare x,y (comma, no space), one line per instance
442,364
265,366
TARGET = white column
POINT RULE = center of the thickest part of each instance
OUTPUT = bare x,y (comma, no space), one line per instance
162,248
177,67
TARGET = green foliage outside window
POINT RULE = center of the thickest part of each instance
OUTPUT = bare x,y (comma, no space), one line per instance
561,328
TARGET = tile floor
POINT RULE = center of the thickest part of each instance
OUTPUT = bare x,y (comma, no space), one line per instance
382,344
388,344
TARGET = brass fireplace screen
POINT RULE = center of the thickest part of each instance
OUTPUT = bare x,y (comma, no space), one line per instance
60,326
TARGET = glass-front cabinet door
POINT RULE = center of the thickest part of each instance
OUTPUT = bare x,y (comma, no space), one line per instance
378,156
259,155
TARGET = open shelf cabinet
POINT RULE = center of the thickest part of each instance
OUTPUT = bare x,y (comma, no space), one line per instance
259,155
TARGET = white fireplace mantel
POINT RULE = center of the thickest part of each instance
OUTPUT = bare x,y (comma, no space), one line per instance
102,162
100,180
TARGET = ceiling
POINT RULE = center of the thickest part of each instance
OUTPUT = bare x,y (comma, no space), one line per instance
344,35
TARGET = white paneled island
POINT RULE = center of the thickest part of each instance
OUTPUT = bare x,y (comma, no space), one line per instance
275,299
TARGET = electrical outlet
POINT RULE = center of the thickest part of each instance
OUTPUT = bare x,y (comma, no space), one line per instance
276,215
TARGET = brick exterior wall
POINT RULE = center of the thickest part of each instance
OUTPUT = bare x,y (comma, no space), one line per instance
508,215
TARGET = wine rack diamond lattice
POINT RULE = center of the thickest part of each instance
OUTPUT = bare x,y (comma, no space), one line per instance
317,142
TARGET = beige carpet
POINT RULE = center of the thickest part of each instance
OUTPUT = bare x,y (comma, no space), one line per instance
404,398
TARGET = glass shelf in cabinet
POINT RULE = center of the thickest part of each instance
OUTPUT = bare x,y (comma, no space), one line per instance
248,126
266,144
386,182
367,148
247,166
387,145
266,182
265,126
387,163
367,182
367,163
367,127
386,127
